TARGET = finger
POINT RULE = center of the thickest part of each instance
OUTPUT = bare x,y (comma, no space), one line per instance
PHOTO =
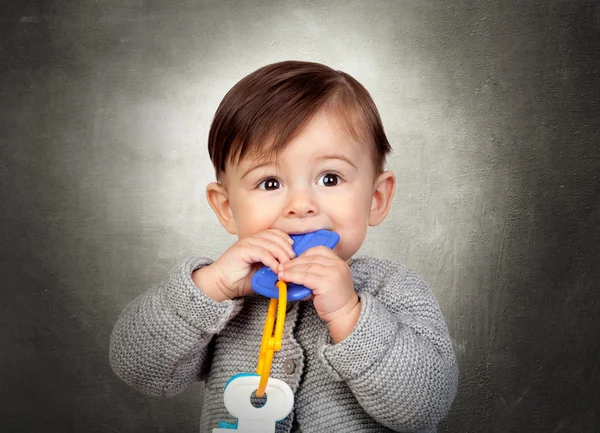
303,262
279,238
323,273
320,250
323,270
275,249
309,279
283,234
276,234
261,255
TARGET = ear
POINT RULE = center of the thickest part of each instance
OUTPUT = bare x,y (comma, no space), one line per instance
385,187
218,199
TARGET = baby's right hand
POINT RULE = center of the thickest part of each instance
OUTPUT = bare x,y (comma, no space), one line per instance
231,274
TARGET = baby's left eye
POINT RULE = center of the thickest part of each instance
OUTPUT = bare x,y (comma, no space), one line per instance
329,179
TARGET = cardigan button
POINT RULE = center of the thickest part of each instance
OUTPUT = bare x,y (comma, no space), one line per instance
289,366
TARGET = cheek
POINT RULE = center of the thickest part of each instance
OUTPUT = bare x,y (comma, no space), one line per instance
251,217
352,235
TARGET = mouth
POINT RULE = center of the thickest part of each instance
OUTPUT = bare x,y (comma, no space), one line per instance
303,232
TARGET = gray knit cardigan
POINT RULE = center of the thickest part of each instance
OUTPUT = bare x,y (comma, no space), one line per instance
396,371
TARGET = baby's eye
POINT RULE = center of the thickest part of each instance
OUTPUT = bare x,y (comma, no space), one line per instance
329,179
270,184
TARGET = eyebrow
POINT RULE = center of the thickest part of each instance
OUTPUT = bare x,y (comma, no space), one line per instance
339,157
321,158
257,165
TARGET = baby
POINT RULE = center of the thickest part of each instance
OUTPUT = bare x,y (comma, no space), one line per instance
297,147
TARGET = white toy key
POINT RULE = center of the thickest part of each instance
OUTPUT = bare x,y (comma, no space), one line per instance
251,419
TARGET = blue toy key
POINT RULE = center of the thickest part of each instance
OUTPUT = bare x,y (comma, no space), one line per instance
264,279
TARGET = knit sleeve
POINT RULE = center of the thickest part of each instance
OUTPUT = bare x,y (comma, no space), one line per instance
398,361
160,343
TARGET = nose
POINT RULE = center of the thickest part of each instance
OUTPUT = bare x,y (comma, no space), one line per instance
301,203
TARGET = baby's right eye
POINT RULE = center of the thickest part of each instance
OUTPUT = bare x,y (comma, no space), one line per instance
270,184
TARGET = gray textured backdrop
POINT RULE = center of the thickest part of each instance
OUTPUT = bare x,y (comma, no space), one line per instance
493,110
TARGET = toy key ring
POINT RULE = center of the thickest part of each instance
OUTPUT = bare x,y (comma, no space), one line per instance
271,343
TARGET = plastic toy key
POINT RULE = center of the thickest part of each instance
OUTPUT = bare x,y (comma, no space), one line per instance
264,279
252,419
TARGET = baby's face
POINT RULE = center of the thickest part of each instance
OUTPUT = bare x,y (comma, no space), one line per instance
321,180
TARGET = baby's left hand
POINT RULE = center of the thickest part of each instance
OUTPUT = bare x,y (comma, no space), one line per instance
330,279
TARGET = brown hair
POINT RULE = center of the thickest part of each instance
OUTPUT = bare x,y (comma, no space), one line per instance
268,107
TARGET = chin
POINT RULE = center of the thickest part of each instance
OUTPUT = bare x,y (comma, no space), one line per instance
343,254
346,252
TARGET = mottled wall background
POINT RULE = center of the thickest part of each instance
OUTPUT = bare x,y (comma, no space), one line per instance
493,110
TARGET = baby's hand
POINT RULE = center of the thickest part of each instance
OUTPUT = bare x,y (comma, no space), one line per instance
231,274
330,279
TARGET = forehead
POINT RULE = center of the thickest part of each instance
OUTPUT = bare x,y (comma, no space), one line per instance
322,135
